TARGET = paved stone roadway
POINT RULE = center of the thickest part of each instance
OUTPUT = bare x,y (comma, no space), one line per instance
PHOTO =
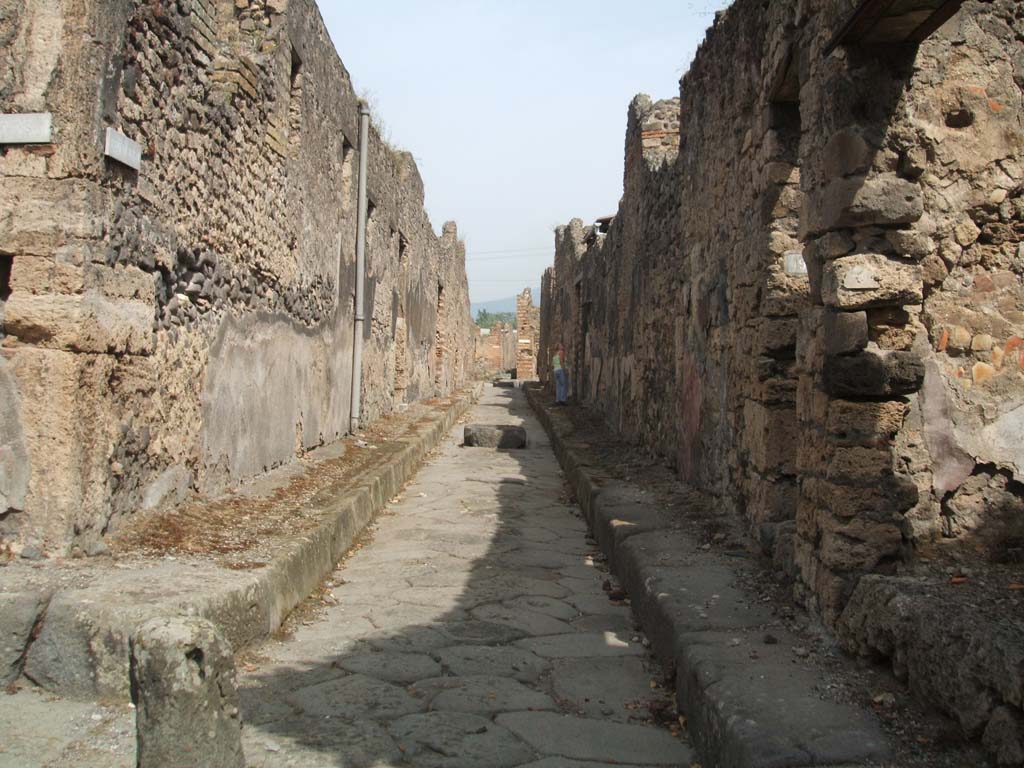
472,631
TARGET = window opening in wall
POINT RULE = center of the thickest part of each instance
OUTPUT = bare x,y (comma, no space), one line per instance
295,101
6,264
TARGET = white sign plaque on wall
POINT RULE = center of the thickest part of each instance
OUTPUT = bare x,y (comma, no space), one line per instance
28,128
793,263
119,147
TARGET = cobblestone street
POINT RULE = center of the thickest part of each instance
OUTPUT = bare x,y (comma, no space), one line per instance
473,628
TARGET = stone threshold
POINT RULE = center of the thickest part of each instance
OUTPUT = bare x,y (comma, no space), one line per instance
67,629
746,703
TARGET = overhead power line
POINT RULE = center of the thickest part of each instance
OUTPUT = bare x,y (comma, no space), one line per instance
512,251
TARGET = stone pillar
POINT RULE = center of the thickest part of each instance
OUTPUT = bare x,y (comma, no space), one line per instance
183,687
528,328
860,364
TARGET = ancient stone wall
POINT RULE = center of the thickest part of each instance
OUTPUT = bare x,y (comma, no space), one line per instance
610,293
527,330
188,325
911,401
815,310
814,307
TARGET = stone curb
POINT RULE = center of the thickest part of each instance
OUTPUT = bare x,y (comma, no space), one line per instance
82,650
296,572
748,704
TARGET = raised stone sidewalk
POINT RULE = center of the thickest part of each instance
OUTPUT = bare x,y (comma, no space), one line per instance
66,626
746,702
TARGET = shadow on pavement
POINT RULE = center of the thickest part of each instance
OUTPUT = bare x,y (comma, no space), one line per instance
473,630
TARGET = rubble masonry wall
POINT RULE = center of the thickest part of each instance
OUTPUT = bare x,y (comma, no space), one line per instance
188,326
810,299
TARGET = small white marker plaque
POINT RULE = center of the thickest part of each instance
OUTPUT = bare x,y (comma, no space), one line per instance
119,147
860,279
793,263
28,128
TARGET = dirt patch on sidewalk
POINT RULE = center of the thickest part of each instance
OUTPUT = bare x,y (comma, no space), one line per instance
243,526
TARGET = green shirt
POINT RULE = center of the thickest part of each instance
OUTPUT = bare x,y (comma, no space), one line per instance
556,361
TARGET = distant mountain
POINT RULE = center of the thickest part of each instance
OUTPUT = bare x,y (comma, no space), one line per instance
502,305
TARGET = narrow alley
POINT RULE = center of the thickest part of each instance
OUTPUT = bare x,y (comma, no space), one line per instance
757,331
474,628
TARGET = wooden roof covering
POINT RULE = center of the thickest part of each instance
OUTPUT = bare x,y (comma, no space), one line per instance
894,21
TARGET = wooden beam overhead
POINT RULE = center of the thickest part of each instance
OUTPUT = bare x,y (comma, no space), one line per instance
894,21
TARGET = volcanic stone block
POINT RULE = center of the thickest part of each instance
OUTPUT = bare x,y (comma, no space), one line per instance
771,437
852,422
845,332
494,436
873,374
870,280
858,201
877,500
183,687
846,153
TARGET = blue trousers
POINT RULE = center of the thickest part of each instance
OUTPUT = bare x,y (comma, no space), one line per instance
561,385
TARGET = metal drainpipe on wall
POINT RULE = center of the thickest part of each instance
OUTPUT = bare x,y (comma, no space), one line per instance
357,341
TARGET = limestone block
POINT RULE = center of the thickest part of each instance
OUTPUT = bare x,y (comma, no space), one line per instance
859,201
784,294
771,437
845,332
772,500
870,280
832,245
859,463
776,334
910,243
857,545
876,500
183,687
38,274
864,422
873,373
60,394
14,469
83,323
40,214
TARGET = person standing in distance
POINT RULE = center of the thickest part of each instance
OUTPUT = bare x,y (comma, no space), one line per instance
561,376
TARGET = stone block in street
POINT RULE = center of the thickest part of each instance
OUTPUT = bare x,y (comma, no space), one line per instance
183,687
494,436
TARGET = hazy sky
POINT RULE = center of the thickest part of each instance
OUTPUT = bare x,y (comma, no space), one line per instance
515,110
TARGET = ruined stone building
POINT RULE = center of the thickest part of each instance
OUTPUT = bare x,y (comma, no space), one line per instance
528,327
810,303
496,348
177,268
